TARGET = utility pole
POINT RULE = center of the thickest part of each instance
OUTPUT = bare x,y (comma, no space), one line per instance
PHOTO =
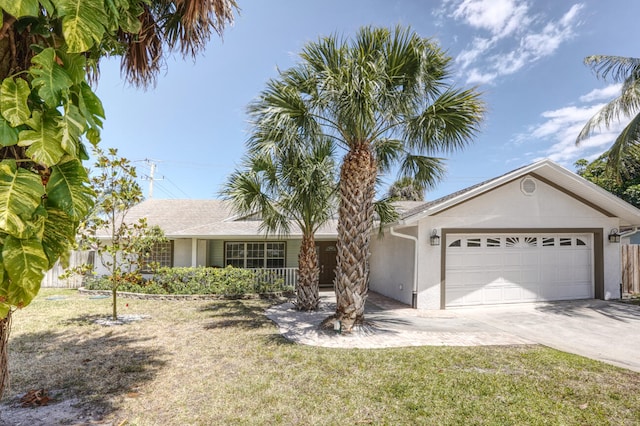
151,177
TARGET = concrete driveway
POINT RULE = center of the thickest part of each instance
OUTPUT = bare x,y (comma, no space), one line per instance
597,329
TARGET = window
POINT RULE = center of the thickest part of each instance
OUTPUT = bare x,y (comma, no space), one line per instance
255,255
493,242
456,243
522,242
548,242
473,242
161,254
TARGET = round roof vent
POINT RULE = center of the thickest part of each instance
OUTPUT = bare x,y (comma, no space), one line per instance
528,186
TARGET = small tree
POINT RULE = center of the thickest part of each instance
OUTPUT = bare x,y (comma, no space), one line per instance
121,245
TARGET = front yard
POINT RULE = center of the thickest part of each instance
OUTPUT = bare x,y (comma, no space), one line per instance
223,362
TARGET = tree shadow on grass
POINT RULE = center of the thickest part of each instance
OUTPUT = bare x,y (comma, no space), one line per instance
93,368
243,314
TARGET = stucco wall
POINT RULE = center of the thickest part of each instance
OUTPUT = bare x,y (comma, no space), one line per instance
505,208
392,266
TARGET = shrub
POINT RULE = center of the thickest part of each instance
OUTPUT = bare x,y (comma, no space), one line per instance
227,281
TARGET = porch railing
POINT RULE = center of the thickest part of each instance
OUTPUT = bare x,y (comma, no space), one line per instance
285,277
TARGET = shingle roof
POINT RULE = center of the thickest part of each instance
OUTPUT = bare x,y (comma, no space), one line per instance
205,218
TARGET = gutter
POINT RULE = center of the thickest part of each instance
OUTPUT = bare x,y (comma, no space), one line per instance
414,295
629,232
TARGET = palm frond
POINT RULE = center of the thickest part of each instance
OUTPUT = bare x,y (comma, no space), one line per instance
142,58
386,212
617,68
425,171
448,124
624,106
624,149
167,26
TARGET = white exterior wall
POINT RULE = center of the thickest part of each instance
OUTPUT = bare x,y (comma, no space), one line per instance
506,207
391,265
182,252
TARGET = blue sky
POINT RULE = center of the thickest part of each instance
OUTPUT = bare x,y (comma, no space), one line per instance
525,56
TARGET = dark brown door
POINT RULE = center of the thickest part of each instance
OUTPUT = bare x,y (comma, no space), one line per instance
327,258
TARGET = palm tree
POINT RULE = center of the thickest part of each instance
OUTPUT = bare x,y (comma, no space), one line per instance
406,189
287,186
385,99
50,51
624,150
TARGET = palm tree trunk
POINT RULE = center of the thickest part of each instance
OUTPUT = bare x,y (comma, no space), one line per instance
5,328
307,290
355,223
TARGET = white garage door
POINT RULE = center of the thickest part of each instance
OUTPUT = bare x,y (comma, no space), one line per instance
514,268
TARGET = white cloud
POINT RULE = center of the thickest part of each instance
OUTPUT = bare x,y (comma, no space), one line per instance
474,76
499,17
560,127
605,93
509,36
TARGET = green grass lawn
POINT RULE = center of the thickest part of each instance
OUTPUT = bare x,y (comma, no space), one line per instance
223,362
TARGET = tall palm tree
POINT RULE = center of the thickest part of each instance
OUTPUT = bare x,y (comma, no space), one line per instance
385,98
625,149
287,186
49,52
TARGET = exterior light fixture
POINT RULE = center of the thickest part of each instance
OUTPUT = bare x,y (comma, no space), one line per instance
614,237
434,240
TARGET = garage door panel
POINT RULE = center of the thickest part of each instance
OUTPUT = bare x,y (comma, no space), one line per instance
509,268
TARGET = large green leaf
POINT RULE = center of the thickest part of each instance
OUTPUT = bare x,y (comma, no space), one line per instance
90,105
26,263
83,23
44,140
49,77
20,8
8,134
72,124
13,101
68,189
59,234
20,195
4,310
74,64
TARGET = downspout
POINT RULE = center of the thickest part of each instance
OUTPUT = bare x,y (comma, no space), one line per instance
414,295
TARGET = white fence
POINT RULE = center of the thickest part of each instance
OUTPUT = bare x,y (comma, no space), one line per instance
289,276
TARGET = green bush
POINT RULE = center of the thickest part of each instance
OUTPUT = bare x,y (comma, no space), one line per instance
227,281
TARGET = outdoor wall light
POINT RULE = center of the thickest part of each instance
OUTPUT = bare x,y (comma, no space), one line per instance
614,237
434,240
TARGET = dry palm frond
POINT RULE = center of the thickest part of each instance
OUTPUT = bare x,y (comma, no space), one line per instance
183,25
197,20
142,59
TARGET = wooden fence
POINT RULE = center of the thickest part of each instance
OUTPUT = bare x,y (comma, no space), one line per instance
52,278
630,256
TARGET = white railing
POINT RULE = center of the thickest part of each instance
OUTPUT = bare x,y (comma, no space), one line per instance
286,277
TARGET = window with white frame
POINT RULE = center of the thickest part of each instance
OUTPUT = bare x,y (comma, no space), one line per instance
161,254
255,254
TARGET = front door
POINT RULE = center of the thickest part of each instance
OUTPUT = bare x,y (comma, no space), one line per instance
327,258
